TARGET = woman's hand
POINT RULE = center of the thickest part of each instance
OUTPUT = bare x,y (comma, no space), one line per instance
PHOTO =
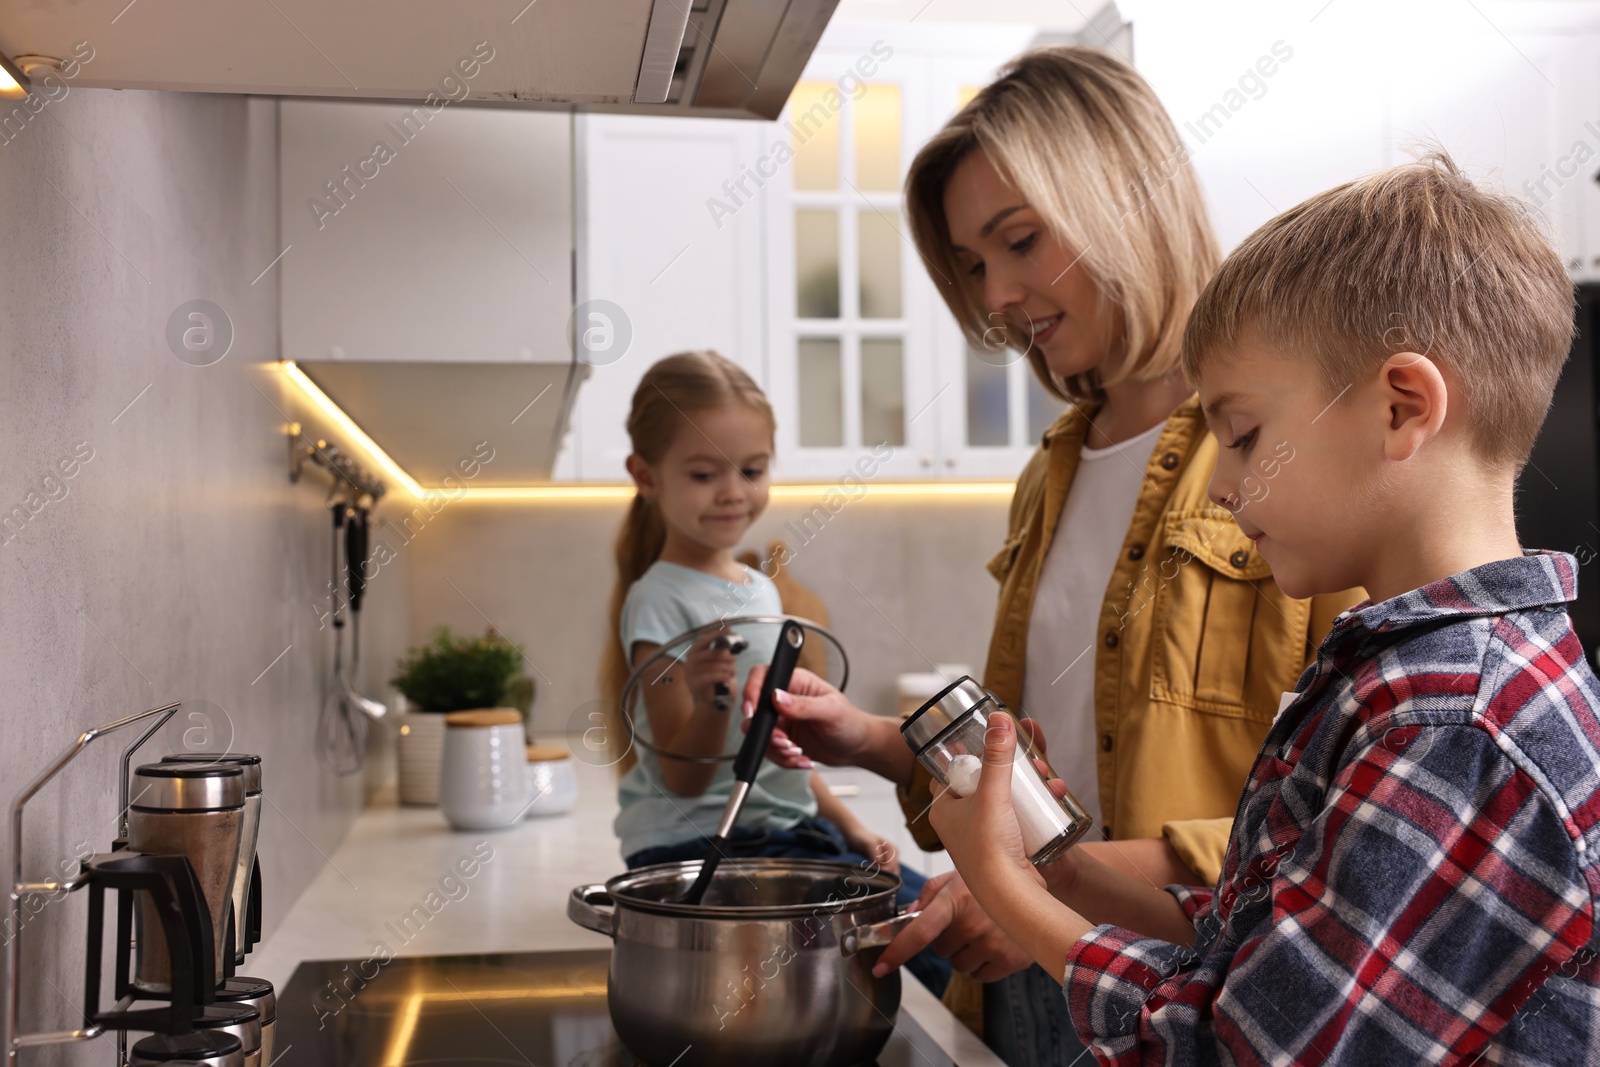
817,724
954,925
981,831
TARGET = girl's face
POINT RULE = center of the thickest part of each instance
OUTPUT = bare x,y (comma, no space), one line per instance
1029,279
712,482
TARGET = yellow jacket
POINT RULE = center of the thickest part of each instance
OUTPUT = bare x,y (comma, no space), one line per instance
1197,642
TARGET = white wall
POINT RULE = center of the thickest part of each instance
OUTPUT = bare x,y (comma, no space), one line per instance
179,562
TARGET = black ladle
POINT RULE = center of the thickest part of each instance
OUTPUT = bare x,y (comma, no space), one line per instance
751,753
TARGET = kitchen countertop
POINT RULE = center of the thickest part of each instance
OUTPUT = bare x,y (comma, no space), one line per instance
394,884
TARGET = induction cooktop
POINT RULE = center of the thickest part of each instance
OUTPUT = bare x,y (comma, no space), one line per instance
536,1009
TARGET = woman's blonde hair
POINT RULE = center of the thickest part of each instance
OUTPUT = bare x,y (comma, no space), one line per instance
670,392
1083,139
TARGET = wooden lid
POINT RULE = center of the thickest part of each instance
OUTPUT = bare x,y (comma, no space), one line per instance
546,753
484,717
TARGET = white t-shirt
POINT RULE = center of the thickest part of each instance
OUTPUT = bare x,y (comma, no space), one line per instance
1058,673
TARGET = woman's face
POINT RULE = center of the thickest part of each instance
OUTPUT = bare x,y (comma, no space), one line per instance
1028,278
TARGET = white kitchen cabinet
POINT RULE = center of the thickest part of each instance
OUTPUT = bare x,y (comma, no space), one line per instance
425,276
424,235
658,267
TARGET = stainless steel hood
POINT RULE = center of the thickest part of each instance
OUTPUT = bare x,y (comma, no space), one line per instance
724,58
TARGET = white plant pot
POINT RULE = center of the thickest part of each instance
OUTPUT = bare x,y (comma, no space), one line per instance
421,752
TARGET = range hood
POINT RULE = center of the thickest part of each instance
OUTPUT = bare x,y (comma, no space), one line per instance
715,58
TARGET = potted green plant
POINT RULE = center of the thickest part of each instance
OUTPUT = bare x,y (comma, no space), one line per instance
449,673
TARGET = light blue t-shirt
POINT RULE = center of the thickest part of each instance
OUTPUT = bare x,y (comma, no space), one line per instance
667,601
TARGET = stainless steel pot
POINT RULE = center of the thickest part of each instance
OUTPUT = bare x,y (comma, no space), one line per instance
758,972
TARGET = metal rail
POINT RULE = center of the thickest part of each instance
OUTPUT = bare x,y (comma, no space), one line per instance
10,1038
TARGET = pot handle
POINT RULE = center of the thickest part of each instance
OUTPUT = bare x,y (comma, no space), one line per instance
583,909
874,935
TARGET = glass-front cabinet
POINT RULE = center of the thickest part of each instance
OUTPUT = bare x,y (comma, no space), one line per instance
865,356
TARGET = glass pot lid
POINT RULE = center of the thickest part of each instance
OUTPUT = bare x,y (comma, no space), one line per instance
752,640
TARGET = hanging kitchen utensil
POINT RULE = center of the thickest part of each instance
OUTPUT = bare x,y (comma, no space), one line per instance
355,557
342,729
752,752
743,630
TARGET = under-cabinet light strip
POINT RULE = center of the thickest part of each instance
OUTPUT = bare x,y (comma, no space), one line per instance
620,491
348,425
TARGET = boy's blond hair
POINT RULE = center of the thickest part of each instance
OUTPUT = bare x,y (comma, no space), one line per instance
1084,141
1415,258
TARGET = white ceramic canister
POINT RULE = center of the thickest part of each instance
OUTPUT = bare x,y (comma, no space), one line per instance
483,779
552,779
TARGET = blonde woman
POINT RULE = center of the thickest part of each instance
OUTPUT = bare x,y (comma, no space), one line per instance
1137,625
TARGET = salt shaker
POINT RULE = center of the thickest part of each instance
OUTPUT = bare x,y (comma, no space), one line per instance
947,735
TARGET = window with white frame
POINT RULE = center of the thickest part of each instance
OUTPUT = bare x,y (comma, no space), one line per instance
849,317
865,353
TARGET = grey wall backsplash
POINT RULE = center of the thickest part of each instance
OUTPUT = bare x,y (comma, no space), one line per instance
903,579
175,561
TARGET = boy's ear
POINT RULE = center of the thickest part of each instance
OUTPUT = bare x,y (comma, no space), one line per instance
639,471
1417,398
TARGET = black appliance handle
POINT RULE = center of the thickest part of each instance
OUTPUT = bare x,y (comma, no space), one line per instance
252,925
185,923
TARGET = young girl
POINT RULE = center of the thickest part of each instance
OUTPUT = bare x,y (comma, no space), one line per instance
702,435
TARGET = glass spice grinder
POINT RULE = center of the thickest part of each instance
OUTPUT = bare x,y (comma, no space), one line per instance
947,735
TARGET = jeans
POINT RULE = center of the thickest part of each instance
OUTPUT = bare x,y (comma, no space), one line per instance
1025,1022
809,839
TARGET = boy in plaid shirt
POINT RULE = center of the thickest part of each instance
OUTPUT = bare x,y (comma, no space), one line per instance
1412,873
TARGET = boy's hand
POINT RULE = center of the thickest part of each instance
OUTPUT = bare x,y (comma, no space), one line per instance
981,831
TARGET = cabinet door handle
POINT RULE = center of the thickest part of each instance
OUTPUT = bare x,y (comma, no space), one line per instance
927,461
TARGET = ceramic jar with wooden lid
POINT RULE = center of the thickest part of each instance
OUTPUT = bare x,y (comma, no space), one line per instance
483,780
553,779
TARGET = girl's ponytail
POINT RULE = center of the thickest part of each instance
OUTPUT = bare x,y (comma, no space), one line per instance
669,392
637,546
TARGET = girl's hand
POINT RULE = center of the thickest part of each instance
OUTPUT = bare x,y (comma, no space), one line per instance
981,831
705,668
879,850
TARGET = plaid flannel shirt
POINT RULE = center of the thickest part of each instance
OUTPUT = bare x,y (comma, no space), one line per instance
1412,874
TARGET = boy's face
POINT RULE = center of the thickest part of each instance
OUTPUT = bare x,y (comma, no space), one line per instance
1299,469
